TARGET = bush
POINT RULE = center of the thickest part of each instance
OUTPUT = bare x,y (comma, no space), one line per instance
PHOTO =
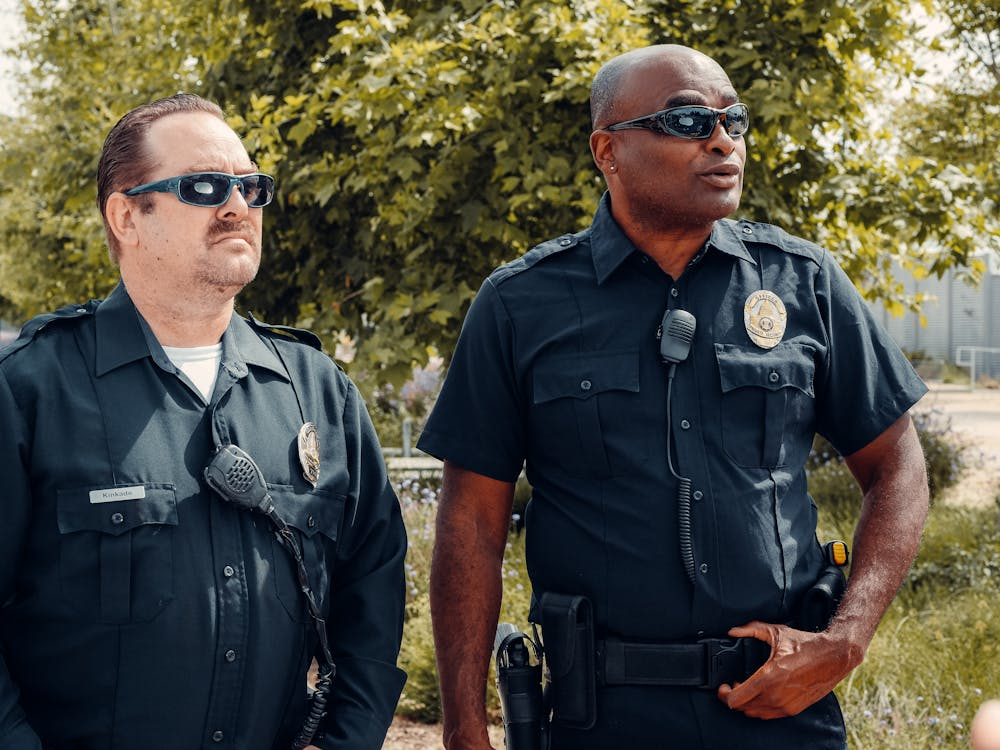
960,551
421,698
832,485
944,450
933,659
389,407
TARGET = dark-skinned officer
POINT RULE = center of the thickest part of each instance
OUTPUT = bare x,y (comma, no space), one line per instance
661,376
145,602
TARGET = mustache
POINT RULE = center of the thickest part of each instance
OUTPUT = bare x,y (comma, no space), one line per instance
219,228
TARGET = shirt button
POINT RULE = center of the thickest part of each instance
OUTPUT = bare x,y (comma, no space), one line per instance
747,230
674,292
310,522
565,242
703,568
685,425
229,571
117,518
697,495
230,656
81,309
585,385
774,377
217,736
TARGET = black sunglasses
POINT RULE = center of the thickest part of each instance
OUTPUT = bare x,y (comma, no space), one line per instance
212,189
693,122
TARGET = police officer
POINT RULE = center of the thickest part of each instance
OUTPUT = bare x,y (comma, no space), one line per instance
141,608
662,374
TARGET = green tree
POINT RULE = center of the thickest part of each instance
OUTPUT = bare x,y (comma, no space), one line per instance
418,145
956,122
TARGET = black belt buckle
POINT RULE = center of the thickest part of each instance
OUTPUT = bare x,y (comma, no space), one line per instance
724,661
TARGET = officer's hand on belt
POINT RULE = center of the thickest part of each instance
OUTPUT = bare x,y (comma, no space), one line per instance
803,667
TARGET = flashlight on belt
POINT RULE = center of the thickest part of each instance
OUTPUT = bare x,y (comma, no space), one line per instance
821,601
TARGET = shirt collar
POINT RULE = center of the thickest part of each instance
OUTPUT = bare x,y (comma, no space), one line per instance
120,337
123,337
610,246
241,346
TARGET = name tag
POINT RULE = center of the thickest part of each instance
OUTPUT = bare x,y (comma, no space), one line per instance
114,494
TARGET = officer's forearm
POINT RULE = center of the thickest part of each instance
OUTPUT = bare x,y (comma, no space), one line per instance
887,536
465,591
465,602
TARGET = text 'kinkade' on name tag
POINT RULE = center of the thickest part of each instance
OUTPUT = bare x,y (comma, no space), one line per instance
114,494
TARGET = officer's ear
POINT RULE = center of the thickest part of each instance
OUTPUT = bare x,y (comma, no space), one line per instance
602,149
119,212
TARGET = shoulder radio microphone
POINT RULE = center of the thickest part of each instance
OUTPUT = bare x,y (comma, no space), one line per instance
676,334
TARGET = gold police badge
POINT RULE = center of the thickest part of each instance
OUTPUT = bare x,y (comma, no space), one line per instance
309,452
764,317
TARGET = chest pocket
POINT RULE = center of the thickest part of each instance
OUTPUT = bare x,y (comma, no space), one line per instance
116,559
315,520
767,400
586,413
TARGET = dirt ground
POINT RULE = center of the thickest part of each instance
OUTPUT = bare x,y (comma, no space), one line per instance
974,415
407,735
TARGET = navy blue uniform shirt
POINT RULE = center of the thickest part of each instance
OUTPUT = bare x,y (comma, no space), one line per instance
139,610
558,368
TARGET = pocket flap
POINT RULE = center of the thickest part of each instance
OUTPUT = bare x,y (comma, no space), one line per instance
88,509
584,375
786,365
316,511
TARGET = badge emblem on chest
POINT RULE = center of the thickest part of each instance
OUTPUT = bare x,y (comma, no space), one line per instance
309,452
764,317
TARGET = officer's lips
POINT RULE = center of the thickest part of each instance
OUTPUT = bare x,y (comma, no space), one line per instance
235,237
726,175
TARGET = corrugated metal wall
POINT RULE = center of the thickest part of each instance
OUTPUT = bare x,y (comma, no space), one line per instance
961,315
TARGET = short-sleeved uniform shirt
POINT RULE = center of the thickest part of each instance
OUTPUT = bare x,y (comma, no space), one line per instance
558,368
141,610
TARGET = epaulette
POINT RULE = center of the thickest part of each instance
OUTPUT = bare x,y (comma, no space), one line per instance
768,234
31,329
536,255
301,335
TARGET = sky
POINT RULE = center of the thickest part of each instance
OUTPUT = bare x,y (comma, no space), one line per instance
10,24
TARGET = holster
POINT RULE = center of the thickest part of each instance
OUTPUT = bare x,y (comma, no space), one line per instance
820,602
568,642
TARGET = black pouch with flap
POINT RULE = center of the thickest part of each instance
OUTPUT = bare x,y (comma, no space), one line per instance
568,633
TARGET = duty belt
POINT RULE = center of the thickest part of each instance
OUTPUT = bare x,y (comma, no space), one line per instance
704,664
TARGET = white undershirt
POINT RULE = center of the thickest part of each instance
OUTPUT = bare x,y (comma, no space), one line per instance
199,363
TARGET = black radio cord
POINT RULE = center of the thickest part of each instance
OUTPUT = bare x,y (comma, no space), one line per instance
327,669
683,493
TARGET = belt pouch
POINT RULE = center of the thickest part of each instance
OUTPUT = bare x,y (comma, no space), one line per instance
568,631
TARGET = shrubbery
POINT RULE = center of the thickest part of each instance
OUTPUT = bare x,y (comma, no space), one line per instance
832,485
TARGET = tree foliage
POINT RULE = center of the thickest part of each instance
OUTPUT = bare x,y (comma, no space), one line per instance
956,120
418,145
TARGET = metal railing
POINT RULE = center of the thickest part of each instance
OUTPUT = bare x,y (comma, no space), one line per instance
967,356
